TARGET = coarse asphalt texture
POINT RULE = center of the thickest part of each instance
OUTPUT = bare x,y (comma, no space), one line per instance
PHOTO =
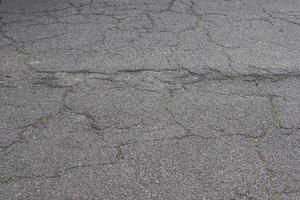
150,99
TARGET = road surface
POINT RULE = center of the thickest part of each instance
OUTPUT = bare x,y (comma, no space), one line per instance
150,99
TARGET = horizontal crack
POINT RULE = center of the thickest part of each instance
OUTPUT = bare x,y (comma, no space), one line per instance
211,74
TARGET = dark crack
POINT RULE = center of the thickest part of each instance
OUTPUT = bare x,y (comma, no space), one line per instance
21,138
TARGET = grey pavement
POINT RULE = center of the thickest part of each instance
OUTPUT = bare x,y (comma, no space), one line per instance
150,99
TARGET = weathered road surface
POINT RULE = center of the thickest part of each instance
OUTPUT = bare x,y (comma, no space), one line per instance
159,99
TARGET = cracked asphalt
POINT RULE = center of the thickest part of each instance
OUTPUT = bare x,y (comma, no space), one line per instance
150,99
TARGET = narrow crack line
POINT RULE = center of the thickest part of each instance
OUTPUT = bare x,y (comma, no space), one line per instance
89,117
210,38
162,139
207,32
290,128
271,16
288,21
276,113
15,178
93,123
188,132
18,140
133,71
277,122
173,118
21,138
275,193
168,8
256,143
185,136
71,4
210,75
80,5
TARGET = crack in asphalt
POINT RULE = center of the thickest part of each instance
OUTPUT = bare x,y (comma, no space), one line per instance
162,55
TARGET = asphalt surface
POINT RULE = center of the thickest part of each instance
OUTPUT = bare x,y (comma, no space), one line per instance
154,99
